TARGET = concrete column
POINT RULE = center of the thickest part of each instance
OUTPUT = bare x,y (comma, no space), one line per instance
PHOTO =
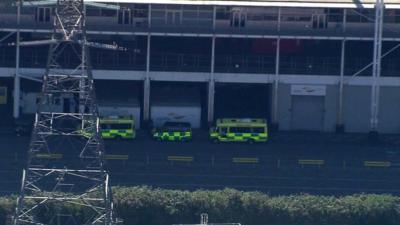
149,16
275,119
211,86
146,85
340,125
278,27
376,67
344,20
17,79
214,16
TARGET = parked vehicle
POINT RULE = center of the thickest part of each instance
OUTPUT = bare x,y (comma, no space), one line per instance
117,127
239,130
173,131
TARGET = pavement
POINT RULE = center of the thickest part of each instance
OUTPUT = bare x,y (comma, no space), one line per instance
291,162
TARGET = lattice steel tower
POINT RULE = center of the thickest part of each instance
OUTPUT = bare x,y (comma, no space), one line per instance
66,153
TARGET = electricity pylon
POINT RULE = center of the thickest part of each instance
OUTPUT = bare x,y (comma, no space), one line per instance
65,168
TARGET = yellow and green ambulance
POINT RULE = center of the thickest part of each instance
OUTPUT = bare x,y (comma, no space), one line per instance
173,131
239,130
117,127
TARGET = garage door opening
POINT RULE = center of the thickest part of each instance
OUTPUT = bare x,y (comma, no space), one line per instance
178,102
242,101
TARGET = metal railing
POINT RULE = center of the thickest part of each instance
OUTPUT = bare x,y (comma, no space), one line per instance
179,62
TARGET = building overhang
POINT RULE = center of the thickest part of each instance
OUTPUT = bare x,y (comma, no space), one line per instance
368,4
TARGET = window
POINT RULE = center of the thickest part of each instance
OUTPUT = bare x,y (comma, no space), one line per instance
120,126
3,95
238,17
335,15
222,13
57,101
392,16
108,12
239,130
43,14
93,12
125,16
173,17
140,11
105,126
258,130
223,130
319,21
360,15
3,91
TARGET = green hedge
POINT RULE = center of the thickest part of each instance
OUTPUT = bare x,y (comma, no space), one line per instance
148,206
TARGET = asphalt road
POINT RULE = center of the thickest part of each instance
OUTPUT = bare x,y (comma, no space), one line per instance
212,166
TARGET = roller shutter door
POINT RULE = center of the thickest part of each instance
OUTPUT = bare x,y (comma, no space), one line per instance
307,113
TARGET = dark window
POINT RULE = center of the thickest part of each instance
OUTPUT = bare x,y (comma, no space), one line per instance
140,12
105,126
3,91
222,13
239,130
120,126
57,101
223,130
360,15
176,127
93,12
335,15
258,130
108,12
243,130
43,14
177,124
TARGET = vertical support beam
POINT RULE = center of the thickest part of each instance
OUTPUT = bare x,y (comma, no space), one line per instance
376,67
340,125
17,79
82,84
149,16
146,84
279,18
214,16
344,20
275,120
211,85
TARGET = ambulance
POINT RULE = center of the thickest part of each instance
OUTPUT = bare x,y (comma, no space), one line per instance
239,130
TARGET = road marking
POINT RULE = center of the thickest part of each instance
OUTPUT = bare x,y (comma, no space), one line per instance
180,158
317,162
116,157
377,163
48,156
245,160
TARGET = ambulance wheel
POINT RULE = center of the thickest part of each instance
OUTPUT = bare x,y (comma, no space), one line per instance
118,138
250,141
215,140
158,139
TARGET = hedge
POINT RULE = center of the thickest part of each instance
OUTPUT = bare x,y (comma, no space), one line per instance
153,206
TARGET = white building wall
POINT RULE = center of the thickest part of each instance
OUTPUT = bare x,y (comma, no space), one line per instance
331,107
356,101
357,108
389,110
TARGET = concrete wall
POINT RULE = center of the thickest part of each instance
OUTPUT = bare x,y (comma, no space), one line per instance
357,108
389,111
331,107
356,102
284,106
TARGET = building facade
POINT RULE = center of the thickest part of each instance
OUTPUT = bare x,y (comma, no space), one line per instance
304,65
